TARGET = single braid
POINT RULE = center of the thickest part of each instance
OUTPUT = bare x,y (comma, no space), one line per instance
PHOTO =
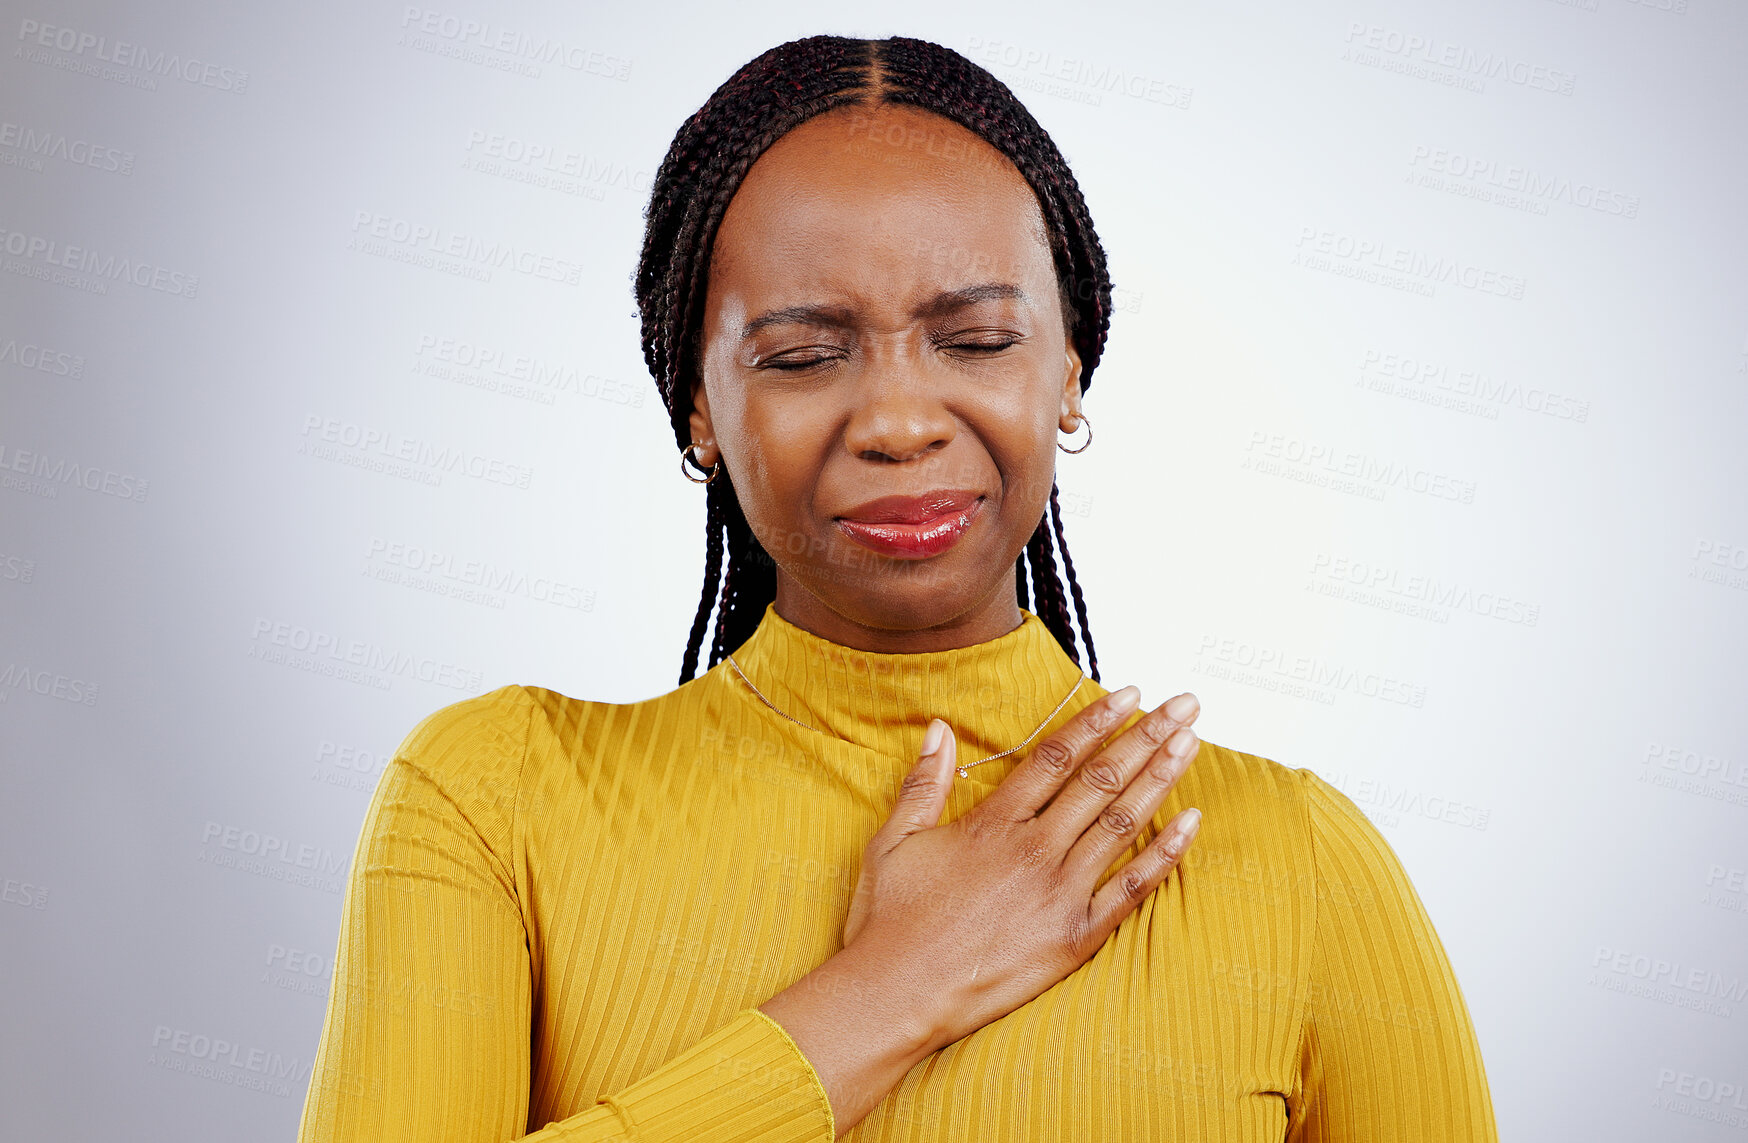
1092,656
704,167
1043,568
712,576
1053,605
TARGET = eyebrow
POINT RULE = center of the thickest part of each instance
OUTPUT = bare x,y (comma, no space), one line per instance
942,303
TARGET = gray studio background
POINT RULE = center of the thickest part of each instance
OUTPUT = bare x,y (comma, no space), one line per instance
1419,458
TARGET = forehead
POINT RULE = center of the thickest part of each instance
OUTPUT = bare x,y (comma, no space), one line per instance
875,198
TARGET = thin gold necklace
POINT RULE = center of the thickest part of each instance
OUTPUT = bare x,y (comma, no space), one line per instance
962,769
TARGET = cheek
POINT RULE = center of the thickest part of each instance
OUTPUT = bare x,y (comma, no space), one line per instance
1019,428
778,464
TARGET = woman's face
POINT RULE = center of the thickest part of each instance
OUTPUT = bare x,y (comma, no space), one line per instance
885,369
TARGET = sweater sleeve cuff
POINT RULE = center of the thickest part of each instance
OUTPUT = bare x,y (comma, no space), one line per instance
746,1082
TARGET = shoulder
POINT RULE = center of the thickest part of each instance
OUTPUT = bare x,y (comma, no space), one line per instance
1341,861
1293,797
494,733
560,725
472,752
450,739
1358,870
1269,824
1250,781
1255,832
490,758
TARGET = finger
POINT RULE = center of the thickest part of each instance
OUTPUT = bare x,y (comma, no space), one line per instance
1117,827
923,795
1036,780
1101,778
1132,884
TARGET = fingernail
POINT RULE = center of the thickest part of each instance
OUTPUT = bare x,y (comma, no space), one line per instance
932,737
1182,744
1126,700
1192,819
1182,707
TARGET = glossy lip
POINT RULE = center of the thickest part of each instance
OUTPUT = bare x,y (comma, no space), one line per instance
911,527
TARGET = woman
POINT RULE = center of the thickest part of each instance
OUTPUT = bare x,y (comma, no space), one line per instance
786,901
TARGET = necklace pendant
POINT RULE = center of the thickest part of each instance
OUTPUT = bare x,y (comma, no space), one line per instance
962,772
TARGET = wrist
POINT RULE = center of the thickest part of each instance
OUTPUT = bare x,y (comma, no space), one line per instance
888,997
855,1020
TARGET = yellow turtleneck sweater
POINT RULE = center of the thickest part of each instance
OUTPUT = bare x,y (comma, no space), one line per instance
562,914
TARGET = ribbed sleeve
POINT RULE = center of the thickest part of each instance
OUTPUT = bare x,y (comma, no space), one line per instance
428,1031
1387,1050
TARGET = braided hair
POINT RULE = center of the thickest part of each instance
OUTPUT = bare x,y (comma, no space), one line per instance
710,156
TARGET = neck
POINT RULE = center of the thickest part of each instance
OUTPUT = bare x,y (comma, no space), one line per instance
861,714
991,617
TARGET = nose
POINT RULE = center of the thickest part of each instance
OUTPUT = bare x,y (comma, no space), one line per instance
897,416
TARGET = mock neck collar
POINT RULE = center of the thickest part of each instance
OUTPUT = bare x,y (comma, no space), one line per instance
992,694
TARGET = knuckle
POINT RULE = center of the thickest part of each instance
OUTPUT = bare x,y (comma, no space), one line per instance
915,783
1073,938
1156,728
1031,852
1102,775
1132,885
1118,820
1053,755
1165,768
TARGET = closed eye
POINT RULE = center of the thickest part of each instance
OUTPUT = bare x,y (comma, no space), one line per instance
796,364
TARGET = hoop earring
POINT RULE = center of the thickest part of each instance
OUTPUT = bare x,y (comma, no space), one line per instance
686,455
1084,420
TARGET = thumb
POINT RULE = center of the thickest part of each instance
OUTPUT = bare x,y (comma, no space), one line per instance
924,794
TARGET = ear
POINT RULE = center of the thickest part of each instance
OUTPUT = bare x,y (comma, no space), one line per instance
703,433
1070,418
